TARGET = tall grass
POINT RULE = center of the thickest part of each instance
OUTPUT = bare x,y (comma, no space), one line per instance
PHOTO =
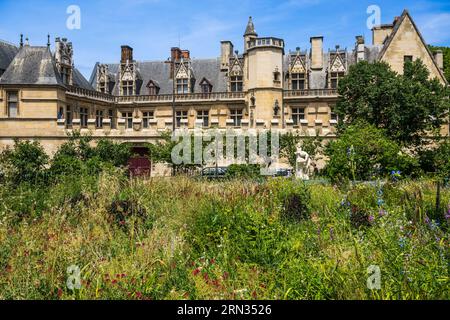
184,239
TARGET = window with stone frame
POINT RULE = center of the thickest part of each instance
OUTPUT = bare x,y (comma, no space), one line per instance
13,101
84,116
182,86
146,117
180,115
99,119
153,89
236,115
102,86
69,116
127,88
204,116
65,75
298,81
333,114
206,87
236,83
112,118
298,114
128,116
334,79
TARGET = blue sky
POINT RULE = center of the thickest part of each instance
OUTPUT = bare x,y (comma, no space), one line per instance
151,27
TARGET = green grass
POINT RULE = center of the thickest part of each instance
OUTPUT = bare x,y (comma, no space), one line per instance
185,239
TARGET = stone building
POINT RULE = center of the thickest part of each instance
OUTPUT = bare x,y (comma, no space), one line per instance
43,95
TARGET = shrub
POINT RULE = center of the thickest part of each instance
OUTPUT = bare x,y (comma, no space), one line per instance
25,162
363,152
294,197
362,200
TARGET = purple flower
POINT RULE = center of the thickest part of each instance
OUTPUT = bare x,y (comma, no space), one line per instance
332,234
382,213
371,218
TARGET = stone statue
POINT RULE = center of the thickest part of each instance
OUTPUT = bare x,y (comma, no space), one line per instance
302,164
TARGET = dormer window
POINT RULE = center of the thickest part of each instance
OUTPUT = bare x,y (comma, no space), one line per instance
182,86
102,87
298,81
205,86
127,88
236,84
153,88
65,75
334,79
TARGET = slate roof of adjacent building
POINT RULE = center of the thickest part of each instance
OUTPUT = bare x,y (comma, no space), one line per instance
7,54
159,73
32,66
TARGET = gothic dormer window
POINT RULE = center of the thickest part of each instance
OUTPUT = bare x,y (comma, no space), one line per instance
337,67
206,86
64,60
153,88
298,71
182,79
236,74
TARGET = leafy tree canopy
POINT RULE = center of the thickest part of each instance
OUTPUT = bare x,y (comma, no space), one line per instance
406,106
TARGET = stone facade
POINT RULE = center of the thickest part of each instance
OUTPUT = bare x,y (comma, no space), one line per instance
264,87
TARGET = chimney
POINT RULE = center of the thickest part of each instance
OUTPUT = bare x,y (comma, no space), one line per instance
439,58
380,33
127,54
186,54
226,51
175,54
360,49
317,53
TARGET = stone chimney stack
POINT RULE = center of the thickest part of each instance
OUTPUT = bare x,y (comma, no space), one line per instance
439,58
226,51
317,53
360,49
127,54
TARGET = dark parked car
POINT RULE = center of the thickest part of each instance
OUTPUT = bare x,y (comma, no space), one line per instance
214,172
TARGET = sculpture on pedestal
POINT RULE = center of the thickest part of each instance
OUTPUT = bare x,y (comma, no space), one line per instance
302,164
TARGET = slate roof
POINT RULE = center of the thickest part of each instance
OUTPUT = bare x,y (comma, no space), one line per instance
32,66
7,54
159,73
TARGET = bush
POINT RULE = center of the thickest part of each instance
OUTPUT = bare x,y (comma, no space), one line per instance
25,162
363,152
294,197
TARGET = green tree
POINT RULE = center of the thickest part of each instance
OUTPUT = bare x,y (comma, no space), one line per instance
406,106
364,152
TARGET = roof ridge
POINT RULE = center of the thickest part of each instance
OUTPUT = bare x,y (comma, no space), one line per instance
9,43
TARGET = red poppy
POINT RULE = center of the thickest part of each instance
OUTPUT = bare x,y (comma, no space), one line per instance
60,292
196,272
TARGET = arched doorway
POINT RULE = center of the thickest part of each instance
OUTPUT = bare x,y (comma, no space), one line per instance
139,164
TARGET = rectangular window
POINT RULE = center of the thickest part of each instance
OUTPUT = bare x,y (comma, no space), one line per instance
182,86
12,104
407,59
206,88
334,79
102,86
333,114
84,115
236,84
69,116
181,115
298,81
127,88
65,75
99,119
61,113
236,115
204,116
146,117
112,118
298,114
128,116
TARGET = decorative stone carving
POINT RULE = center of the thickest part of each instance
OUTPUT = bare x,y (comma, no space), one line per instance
302,164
